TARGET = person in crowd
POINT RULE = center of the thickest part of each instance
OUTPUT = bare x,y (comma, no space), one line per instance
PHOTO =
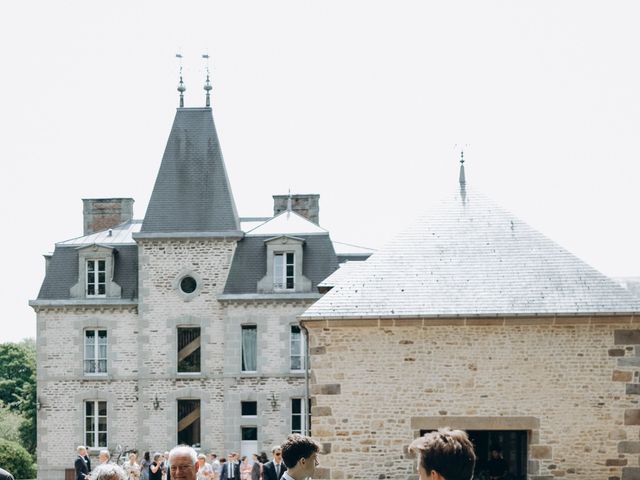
215,466
245,468
104,456
205,472
183,463
166,471
274,469
144,466
108,471
155,469
300,454
132,467
230,470
444,454
4,475
497,465
82,463
256,469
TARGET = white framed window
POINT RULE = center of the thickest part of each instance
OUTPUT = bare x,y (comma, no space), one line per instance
249,348
96,278
297,349
95,351
299,416
284,271
95,423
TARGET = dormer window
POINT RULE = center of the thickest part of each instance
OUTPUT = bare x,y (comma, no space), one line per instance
284,273
96,265
284,266
96,278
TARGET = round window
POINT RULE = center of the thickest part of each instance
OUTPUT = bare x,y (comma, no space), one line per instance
188,284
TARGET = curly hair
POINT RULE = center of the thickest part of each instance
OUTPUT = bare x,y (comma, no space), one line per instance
298,446
448,452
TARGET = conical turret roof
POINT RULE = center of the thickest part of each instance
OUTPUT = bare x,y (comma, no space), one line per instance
192,194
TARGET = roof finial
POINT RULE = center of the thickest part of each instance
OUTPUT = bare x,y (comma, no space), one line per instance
207,84
181,87
462,179
289,203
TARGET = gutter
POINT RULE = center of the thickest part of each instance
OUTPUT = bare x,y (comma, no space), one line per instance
307,427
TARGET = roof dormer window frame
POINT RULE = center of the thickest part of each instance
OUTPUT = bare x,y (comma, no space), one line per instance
89,270
290,277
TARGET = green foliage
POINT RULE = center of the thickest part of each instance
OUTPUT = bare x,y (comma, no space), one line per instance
16,460
10,424
18,388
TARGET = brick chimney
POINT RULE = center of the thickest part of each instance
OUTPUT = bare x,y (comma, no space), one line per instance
305,204
102,213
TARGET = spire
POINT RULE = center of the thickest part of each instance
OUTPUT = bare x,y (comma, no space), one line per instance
207,84
181,87
462,179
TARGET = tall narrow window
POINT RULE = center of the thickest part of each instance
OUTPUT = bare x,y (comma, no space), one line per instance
284,271
249,348
189,422
297,349
95,414
95,351
299,416
96,278
189,350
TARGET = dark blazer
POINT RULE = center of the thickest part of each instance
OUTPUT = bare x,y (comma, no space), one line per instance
269,471
82,466
224,473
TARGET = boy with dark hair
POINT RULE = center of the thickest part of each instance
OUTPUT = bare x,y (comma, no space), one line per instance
300,455
444,455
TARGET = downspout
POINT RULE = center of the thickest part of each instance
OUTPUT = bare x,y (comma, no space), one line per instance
307,426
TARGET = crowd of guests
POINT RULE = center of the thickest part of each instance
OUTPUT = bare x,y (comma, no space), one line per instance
444,454
158,466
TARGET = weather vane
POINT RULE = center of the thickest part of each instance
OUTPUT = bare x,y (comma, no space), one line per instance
181,87
207,84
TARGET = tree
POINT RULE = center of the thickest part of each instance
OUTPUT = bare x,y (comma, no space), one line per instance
18,386
10,423
16,460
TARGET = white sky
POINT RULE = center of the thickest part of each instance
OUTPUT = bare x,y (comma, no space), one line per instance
359,101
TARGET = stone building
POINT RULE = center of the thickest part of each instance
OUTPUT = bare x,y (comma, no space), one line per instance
182,327
474,320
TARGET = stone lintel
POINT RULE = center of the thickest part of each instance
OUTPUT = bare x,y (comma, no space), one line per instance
475,423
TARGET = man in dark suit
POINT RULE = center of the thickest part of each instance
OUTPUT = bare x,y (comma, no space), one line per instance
82,463
274,469
231,468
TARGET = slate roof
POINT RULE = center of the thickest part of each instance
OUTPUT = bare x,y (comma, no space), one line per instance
470,257
192,191
287,223
120,235
249,263
62,273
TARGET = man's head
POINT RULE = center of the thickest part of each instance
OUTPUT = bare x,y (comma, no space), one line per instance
276,453
104,456
108,471
444,455
82,450
183,463
300,455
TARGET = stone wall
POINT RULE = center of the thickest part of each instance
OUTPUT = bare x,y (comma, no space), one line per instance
572,383
142,360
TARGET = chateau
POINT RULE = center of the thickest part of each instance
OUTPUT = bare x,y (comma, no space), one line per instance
182,327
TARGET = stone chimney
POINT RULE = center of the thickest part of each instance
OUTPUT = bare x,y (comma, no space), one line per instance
305,204
102,213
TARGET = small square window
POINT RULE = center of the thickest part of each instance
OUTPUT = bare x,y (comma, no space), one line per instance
249,433
249,409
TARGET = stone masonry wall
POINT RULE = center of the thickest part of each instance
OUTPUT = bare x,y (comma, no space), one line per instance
374,386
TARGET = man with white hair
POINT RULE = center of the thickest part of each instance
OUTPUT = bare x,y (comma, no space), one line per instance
108,471
183,462
82,463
